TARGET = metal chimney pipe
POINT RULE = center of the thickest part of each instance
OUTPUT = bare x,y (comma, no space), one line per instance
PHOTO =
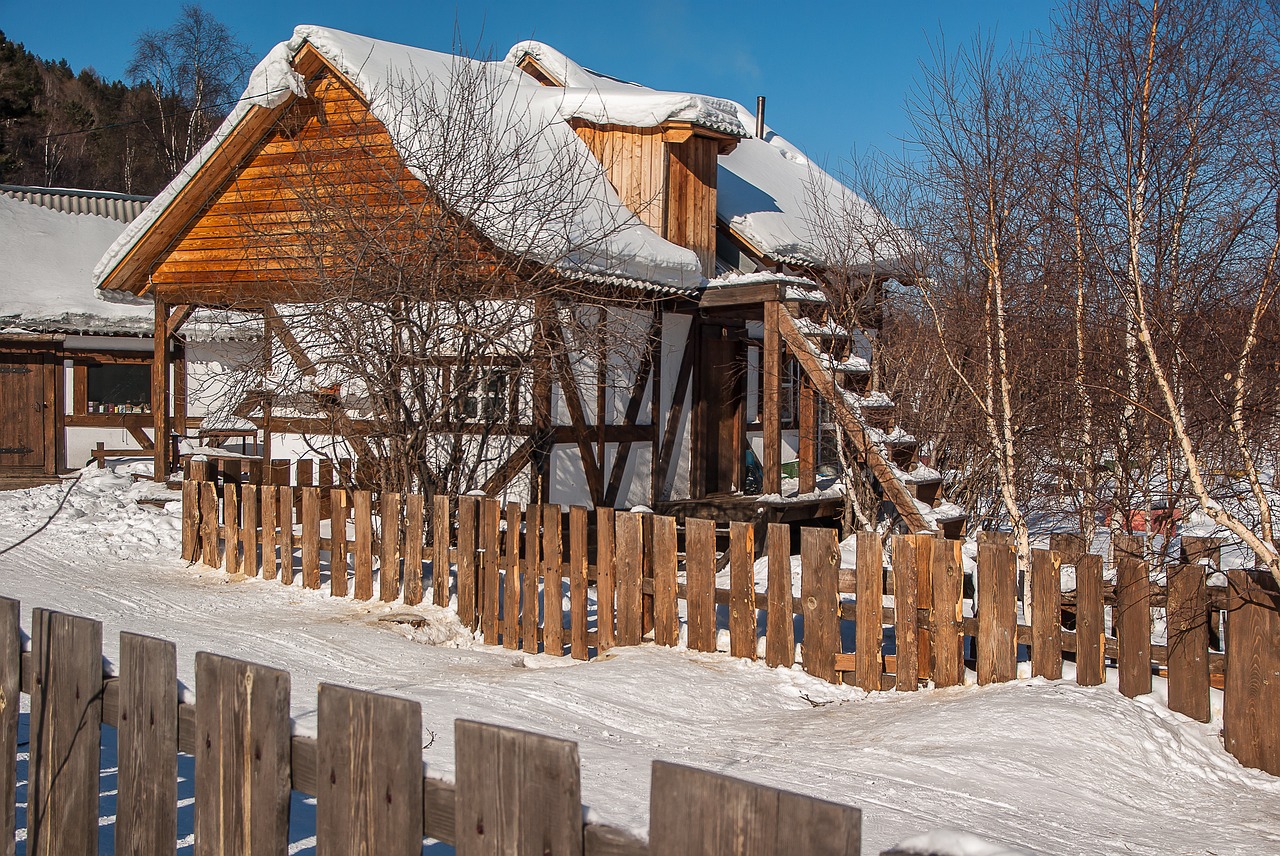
760,117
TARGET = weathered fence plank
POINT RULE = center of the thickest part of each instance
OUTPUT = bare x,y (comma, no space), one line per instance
820,600
389,547
529,583
948,591
147,723
1091,643
10,676
578,582
780,630
190,520
511,579
1046,614
629,570
269,502
413,535
369,791
1251,699
1187,615
666,616
907,673
287,539
1132,617
742,590
922,549
362,549
209,525
231,526
869,667
997,613
490,522
552,581
698,813
250,517
242,758
337,543
700,583
441,535
311,537
468,510
517,793
66,728
605,579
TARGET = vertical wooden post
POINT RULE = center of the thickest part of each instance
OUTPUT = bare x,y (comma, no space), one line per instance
1091,643
66,726
10,675
666,617
808,456
771,357
490,521
820,602
780,638
532,573
371,800
286,513
311,537
468,509
249,528
511,580
389,554
552,582
147,798
629,567
516,792
868,665
242,757
922,550
905,591
700,582
578,582
1046,614
742,590
190,519
1187,613
160,423
209,529
337,543
362,550
268,503
441,535
1251,698
413,534
997,613
1132,617
948,593
606,579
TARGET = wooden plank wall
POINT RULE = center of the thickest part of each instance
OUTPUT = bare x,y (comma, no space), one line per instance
634,160
515,791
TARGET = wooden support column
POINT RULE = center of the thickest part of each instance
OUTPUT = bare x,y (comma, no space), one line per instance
772,362
808,436
266,369
160,392
655,408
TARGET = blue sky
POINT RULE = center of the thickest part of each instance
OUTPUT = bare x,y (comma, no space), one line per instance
836,74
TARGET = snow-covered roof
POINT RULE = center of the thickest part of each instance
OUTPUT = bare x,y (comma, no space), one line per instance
390,74
46,264
766,188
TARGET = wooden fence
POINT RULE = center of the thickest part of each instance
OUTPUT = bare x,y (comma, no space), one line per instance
631,577
514,792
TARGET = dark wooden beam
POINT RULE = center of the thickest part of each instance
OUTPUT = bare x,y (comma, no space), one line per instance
663,461
179,317
582,435
503,475
160,392
633,408
808,436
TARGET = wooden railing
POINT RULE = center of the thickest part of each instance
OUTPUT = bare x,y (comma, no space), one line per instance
363,766
631,577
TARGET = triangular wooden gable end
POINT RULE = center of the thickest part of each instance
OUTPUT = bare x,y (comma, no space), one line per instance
240,232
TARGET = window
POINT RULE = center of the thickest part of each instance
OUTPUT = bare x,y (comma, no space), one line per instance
118,388
483,394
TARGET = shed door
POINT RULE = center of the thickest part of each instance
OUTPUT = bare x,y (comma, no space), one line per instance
22,411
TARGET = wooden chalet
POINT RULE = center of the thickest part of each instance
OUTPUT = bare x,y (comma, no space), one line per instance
743,358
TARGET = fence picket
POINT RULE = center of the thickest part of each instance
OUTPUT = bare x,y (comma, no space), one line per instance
905,590
699,813
511,580
819,567
868,663
922,551
1091,645
209,525
269,501
490,521
552,582
413,535
532,567
311,537
629,570
441,535
700,583
250,518
242,757
190,520
666,615
147,748
287,537
997,613
742,590
371,801
10,688
389,544
516,792
948,591
1132,617
1251,699
578,582
1046,614
605,579
66,728
468,509
1187,614
362,550
780,639
231,526
337,543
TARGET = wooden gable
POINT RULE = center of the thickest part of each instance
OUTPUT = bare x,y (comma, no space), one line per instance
256,222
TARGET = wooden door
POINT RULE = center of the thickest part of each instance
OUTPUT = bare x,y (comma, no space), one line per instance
723,385
22,412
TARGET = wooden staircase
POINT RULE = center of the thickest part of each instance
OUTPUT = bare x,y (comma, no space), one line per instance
824,352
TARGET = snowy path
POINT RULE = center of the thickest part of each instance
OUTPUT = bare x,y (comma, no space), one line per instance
1050,767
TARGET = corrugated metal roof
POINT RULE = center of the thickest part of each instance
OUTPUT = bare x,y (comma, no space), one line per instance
117,206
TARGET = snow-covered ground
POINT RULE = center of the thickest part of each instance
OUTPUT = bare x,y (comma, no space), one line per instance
1046,767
